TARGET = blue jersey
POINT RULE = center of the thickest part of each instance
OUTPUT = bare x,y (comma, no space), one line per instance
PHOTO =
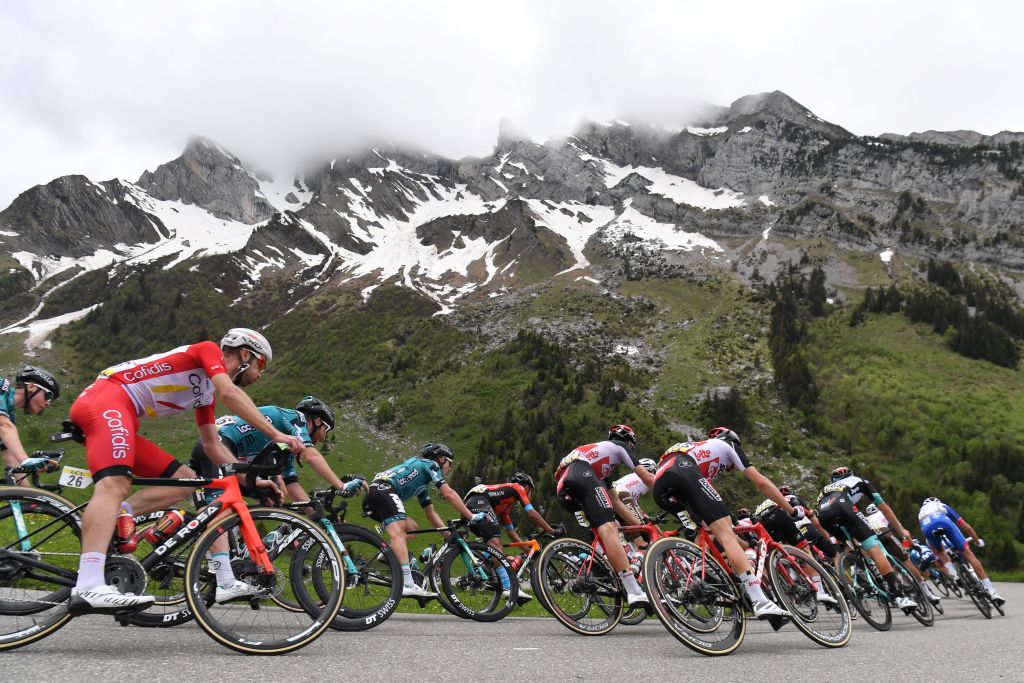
247,441
412,478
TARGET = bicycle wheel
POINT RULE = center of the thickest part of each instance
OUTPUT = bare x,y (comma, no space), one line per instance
973,588
580,586
695,597
868,602
38,567
791,578
373,580
633,616
922,611
472,582
940,586
953,586
258,624
535,584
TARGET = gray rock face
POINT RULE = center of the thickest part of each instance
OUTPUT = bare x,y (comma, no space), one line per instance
207,176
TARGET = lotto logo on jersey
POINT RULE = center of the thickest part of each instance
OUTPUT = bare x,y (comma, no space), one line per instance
700,454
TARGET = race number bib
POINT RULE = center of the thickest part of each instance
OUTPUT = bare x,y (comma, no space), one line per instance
75,477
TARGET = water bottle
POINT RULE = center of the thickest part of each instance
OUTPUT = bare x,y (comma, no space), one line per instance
427,553
271,539
751,557
124,537
635,560
168,524
516,561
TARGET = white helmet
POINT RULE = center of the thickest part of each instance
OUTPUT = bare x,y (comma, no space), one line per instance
244,338
648,465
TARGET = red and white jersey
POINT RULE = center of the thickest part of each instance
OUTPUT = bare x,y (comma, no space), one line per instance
167,383
603,457
631,484
712,456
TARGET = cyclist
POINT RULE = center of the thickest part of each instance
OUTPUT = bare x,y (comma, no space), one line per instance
108,411
922,556
32,390
583,483
496,502
630,487
684,480
310,422
384,503
810,527
880,525
838,514
934,516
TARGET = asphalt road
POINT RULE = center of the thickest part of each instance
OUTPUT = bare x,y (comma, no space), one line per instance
962,646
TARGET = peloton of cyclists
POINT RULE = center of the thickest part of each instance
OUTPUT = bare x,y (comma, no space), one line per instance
496,502
684,481
385,503
582,484
32,390
879,523
936,516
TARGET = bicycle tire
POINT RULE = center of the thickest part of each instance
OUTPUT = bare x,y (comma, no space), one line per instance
633,616
940,586
923,610
33,605
580,586
535,585
827,625
865,598
373,592
272,630
954,587
479,598
973,588
432,581
696,599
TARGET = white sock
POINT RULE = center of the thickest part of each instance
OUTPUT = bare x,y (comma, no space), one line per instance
629,582
951,569
90,570
987,583
220,563
752,585
407,575
816,580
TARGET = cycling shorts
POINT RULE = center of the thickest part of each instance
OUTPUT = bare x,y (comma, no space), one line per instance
841,518
106,415
680,486
814,537
781,527
382,503
579,489
932,525
489,528
894,546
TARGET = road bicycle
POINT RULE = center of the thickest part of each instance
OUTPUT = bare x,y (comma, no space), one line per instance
972,585
869,594
465,575
40,542
577,584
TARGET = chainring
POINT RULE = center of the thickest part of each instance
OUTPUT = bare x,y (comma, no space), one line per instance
125,573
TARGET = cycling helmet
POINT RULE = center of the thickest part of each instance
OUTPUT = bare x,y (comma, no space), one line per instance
871,509
931,499
785,490
311,405
841,473
433,451
648,465
743,512
523,479
244,338
40,378
725,434
622,433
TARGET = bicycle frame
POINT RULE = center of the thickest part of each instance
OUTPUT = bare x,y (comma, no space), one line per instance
528,550
456,542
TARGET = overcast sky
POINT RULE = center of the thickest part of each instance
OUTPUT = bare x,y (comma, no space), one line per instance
110,89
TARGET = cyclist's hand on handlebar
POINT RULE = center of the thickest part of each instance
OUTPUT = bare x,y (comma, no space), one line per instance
980,542
558,531
799,512
477,517
353,487
293,442
38,464
269,490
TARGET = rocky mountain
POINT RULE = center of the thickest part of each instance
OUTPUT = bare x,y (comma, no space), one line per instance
743,189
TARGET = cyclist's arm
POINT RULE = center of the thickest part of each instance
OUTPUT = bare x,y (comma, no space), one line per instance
15,452
214,448
623,511
432,515
893,522
513,535
646,477
312,457
767,488
448,493
962,523
239,403
821,530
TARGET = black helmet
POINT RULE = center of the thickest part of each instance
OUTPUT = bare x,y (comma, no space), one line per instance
311,405
40,377
433,451
622,433
841,473
785,490
523,479
725,434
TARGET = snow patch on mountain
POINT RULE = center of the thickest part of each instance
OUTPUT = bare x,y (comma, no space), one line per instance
653,234
679,190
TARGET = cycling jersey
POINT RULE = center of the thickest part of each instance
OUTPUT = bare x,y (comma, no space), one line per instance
7,399
502,498
922,556
936,508
712,456
878,522
167,383
854,488
938,517
603,457
631,484
412,478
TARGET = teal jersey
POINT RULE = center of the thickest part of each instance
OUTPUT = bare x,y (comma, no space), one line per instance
413,478
247,441
7,403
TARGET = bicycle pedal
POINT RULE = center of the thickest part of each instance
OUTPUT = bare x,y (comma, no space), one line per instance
254,604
